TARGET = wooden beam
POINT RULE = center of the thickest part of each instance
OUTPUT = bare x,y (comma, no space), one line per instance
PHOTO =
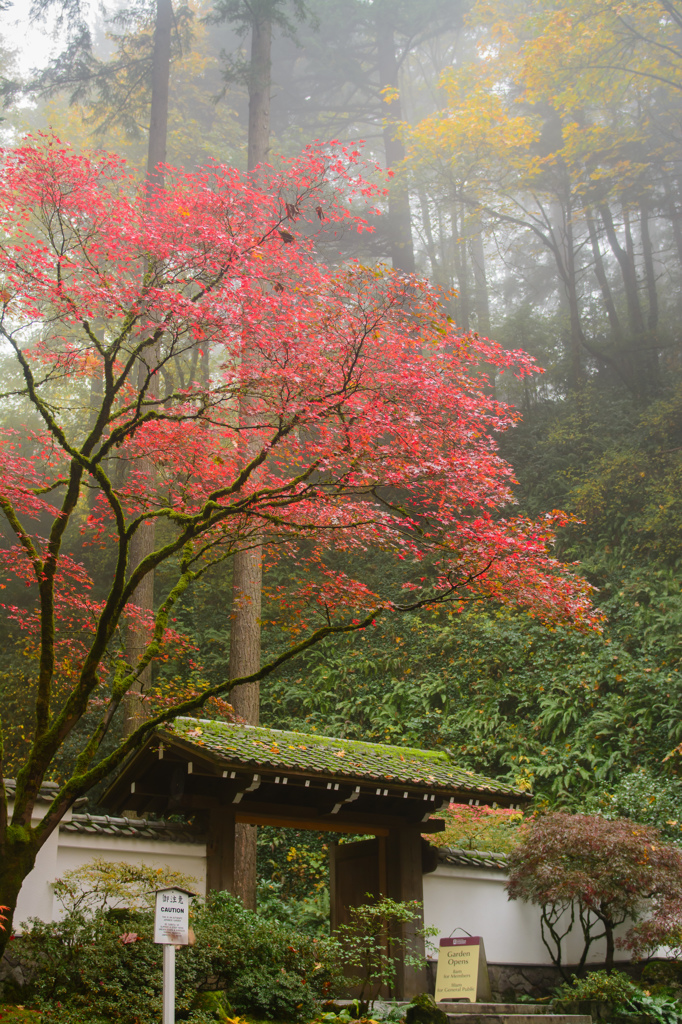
313,824
364,822
432,825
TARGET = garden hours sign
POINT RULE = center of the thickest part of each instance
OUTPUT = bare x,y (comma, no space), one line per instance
462,970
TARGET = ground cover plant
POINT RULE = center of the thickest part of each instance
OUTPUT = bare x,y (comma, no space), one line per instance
18,1015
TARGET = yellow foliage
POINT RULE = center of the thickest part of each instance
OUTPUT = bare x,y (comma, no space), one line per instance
571,88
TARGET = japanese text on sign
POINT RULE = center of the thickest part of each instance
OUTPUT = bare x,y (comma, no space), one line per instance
171,917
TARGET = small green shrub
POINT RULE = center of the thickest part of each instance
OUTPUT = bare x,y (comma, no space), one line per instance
596,987
623,998
663,978
369,944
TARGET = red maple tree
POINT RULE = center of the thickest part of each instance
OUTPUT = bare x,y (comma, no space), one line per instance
607,871
188,358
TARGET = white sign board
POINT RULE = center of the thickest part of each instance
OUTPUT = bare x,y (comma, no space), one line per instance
171,917
462,970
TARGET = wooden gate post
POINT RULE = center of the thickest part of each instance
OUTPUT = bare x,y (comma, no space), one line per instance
404,881
220,850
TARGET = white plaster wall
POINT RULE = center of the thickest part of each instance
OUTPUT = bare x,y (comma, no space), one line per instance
475,899
64,851
36,898
77,848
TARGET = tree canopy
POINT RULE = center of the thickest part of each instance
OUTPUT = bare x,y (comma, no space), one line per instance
137,321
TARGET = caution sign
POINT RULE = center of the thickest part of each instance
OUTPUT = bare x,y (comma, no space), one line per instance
463,971
171,916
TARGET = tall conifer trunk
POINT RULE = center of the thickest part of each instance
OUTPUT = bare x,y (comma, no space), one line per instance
399,215
459,254
144,540
628,272
562,244
481,297
602,278
247,565
650,272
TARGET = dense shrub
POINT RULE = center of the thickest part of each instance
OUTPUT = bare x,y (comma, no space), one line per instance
104,966
100,967
309,915
264,967
620,999
597,987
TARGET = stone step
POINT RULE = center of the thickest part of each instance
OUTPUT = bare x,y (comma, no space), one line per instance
496,1009
518,1018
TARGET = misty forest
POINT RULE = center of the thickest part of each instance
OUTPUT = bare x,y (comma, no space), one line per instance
523,157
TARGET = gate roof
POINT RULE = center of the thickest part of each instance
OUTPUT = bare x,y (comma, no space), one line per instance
335,758
298,779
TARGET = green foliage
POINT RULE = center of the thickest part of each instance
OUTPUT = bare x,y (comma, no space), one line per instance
622,999
479,828
649,799
662,978
293,873
102,964
296,861
370,947
309,915
566,713
214,1005
629,491
597,987
265,967
656,1009
572,715
110,885
386,1013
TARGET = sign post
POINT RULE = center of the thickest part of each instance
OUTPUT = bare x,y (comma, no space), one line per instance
463,971
171,929
168,1013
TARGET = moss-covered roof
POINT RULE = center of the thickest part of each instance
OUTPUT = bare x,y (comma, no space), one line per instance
325,755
